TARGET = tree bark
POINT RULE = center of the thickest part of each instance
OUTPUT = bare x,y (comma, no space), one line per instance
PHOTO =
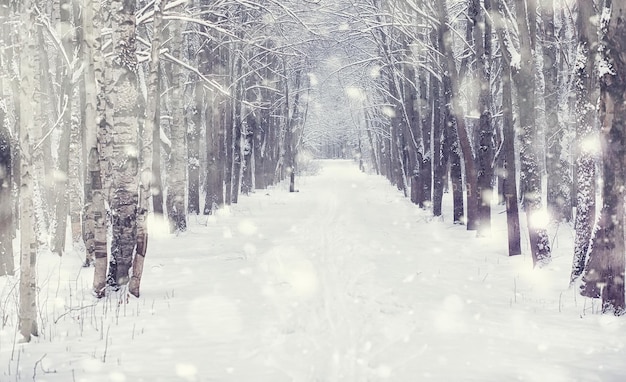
125,179
62,177
177,169
465,147
152,123
510,167
28,106
557,169
586,127
7,265
604,274
530,178
486,150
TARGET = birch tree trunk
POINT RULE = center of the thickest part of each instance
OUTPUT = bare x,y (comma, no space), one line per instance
604,274
152,122
177,169
98,143
124,96
28,105
61,179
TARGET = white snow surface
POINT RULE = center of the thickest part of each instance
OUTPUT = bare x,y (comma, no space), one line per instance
344,280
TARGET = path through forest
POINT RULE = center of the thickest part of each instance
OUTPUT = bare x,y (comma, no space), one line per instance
344,280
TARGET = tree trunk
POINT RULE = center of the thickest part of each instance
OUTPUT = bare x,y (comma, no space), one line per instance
440,133
177,169
557,169
462,133
28,105
524,78
98,137
510,171
7,266
586,128
62,177
604,274
125,179
194,125
152,123
485,152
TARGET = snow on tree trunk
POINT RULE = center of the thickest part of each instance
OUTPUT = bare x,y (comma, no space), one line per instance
124,97
530,170
586,129
28,106
604,274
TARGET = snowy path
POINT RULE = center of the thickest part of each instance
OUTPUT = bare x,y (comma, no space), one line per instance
342,281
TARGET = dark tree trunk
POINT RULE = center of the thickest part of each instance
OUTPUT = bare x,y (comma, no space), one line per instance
604,274
247,152
441,151
193,149
509,183
530,180
485,152
586,128
456,177
7,266
462,133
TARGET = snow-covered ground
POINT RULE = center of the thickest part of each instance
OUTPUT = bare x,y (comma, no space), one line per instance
344,280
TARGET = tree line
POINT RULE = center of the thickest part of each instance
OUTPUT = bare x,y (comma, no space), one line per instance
113,110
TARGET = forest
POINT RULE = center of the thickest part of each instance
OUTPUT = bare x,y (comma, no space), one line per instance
113,111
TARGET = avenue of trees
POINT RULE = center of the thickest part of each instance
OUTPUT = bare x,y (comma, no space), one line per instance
113,110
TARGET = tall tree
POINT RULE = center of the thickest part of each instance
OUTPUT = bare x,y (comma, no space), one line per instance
458,113
61,204
29,58
524,77
604,274
177,169
147,134
485,152
6,211
124,98
557,168
586,130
